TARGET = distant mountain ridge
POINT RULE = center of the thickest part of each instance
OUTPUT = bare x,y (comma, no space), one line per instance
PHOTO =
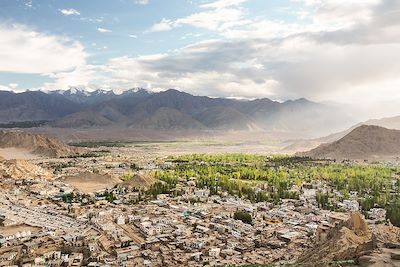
170,109
34,106
363,142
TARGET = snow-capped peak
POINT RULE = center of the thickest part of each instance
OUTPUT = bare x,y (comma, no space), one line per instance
103,92
129,91
77,91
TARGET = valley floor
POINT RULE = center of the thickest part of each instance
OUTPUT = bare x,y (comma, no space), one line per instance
255,141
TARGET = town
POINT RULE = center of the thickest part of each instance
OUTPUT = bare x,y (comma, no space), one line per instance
162,214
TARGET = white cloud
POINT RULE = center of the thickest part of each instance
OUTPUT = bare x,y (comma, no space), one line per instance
142,2
4,88
103,30
25,50
92,20
133,36
81,76
70,12
29,4
215,20
204,68
267,29
219,16
13,85
337,14
223,4
163,25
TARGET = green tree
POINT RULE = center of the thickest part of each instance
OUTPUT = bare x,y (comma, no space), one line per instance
243,216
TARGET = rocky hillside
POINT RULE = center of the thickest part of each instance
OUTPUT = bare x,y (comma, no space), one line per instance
353,243
302,145
21,169
364,142
34,143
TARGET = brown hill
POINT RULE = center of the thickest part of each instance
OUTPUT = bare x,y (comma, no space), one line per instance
302,145
21,169
91,182
364,142
34,143
138,181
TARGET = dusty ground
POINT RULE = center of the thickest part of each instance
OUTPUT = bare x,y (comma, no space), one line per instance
232,141
177,148
17,153
89,182
129,134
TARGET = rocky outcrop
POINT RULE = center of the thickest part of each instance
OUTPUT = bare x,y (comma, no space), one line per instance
35,143
21,169
353,242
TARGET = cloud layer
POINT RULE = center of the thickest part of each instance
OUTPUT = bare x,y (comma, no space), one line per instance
24,50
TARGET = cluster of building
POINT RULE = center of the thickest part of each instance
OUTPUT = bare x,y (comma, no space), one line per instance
39,226
40,229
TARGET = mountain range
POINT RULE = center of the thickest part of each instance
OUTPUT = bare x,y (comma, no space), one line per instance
170,110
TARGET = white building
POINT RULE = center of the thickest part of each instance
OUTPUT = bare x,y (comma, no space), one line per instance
377,214
214,252
120,220
202,193
350,205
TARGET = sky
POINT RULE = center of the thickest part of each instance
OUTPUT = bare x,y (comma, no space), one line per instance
324,50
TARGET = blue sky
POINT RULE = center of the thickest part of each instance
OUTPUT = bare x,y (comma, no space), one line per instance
325,50
128,20
109,29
